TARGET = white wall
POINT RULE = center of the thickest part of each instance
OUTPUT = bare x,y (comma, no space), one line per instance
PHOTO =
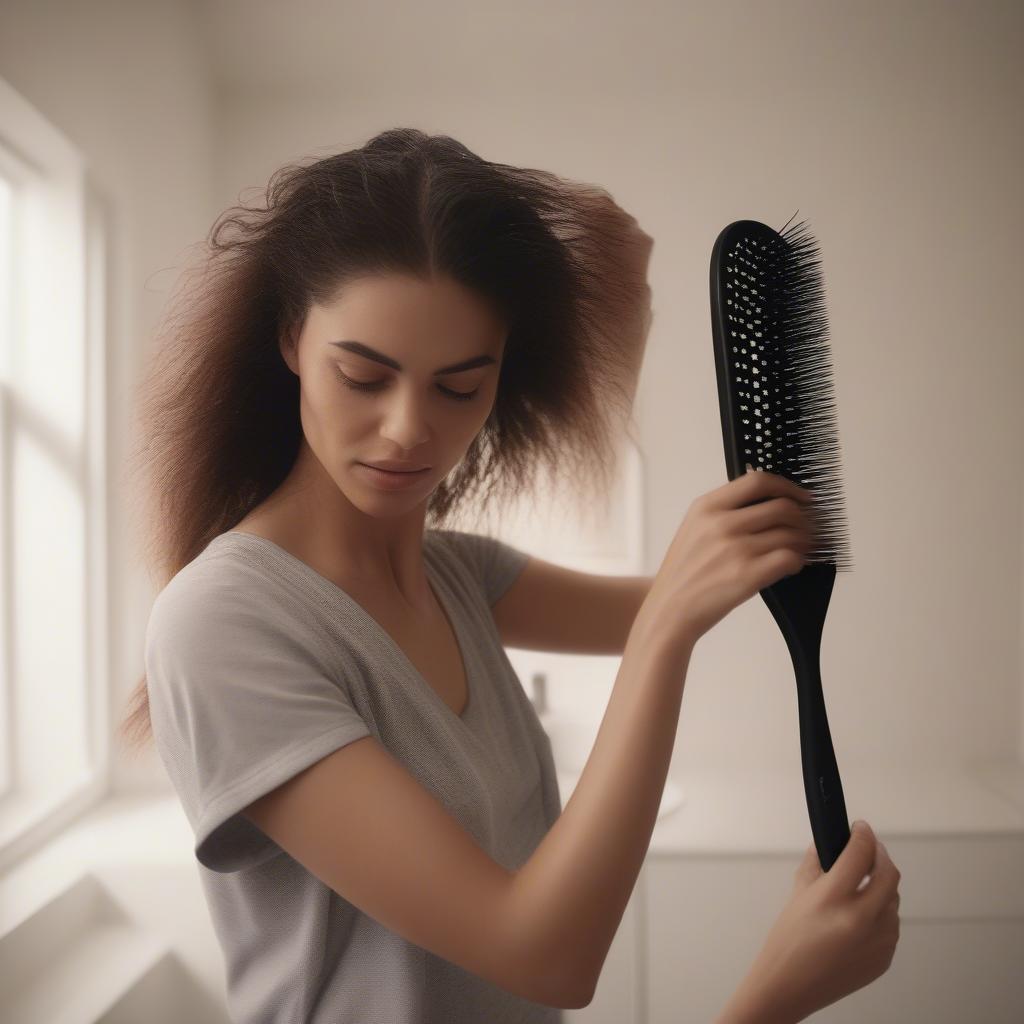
890,128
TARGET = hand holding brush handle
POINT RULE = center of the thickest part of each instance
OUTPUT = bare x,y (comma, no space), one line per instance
832,937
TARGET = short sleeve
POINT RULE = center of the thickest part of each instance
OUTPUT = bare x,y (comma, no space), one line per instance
240,701
494,564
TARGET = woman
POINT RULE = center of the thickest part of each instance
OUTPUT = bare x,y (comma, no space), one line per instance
377,820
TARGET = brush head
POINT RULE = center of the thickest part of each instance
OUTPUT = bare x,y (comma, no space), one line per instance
770,331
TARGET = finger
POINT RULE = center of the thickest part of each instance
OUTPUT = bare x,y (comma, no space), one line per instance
857,859
783,542
881,888
774,512
759,485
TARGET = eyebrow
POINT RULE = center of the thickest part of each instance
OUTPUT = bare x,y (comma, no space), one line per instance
364,350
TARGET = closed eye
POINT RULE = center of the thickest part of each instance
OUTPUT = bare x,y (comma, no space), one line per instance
458,396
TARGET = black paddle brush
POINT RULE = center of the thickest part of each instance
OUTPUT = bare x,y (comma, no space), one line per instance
770,333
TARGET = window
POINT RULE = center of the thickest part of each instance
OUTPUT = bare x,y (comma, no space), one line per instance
53,720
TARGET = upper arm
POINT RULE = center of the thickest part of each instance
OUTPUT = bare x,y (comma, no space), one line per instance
366,828
551,608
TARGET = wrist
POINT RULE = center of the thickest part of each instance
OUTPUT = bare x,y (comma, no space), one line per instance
750,1005
665,640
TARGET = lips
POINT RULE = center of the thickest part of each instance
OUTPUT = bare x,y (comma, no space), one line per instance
396,467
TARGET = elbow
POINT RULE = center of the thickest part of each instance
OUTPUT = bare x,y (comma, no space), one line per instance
559,988
545,971
565,997
575,994
583,975
578,998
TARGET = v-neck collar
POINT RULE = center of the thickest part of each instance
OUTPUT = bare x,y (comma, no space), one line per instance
441,594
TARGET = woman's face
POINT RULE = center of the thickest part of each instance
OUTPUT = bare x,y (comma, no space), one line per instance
379,381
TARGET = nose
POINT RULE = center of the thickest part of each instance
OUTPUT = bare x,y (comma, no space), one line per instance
404,422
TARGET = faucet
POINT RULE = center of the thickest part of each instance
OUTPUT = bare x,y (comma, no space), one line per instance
540,692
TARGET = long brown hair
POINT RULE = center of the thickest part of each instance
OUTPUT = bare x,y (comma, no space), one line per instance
218,425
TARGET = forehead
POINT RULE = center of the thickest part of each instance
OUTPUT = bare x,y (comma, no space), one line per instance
399,309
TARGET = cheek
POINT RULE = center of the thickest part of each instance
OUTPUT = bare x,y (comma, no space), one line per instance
334,418
477,425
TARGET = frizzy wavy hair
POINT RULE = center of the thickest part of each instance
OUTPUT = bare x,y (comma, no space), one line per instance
218,425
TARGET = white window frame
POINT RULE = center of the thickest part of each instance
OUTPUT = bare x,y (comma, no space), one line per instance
55,704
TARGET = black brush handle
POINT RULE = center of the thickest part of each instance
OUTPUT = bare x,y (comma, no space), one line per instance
799,604
822,785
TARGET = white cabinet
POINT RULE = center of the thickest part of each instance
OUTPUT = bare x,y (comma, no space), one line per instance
706,919
960,956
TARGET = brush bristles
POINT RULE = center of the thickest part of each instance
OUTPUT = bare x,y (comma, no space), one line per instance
796,404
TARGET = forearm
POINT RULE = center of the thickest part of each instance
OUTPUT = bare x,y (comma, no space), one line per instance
569,897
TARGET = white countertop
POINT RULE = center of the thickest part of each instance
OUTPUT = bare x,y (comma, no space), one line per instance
767,812
744,815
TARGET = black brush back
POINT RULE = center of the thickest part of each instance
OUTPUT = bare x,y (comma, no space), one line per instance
770,332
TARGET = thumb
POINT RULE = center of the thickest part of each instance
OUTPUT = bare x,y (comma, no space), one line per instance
857,859
810,868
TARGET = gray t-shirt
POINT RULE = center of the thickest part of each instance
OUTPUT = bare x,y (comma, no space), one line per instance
258,667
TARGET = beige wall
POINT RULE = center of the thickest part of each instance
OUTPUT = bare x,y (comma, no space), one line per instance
894,128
